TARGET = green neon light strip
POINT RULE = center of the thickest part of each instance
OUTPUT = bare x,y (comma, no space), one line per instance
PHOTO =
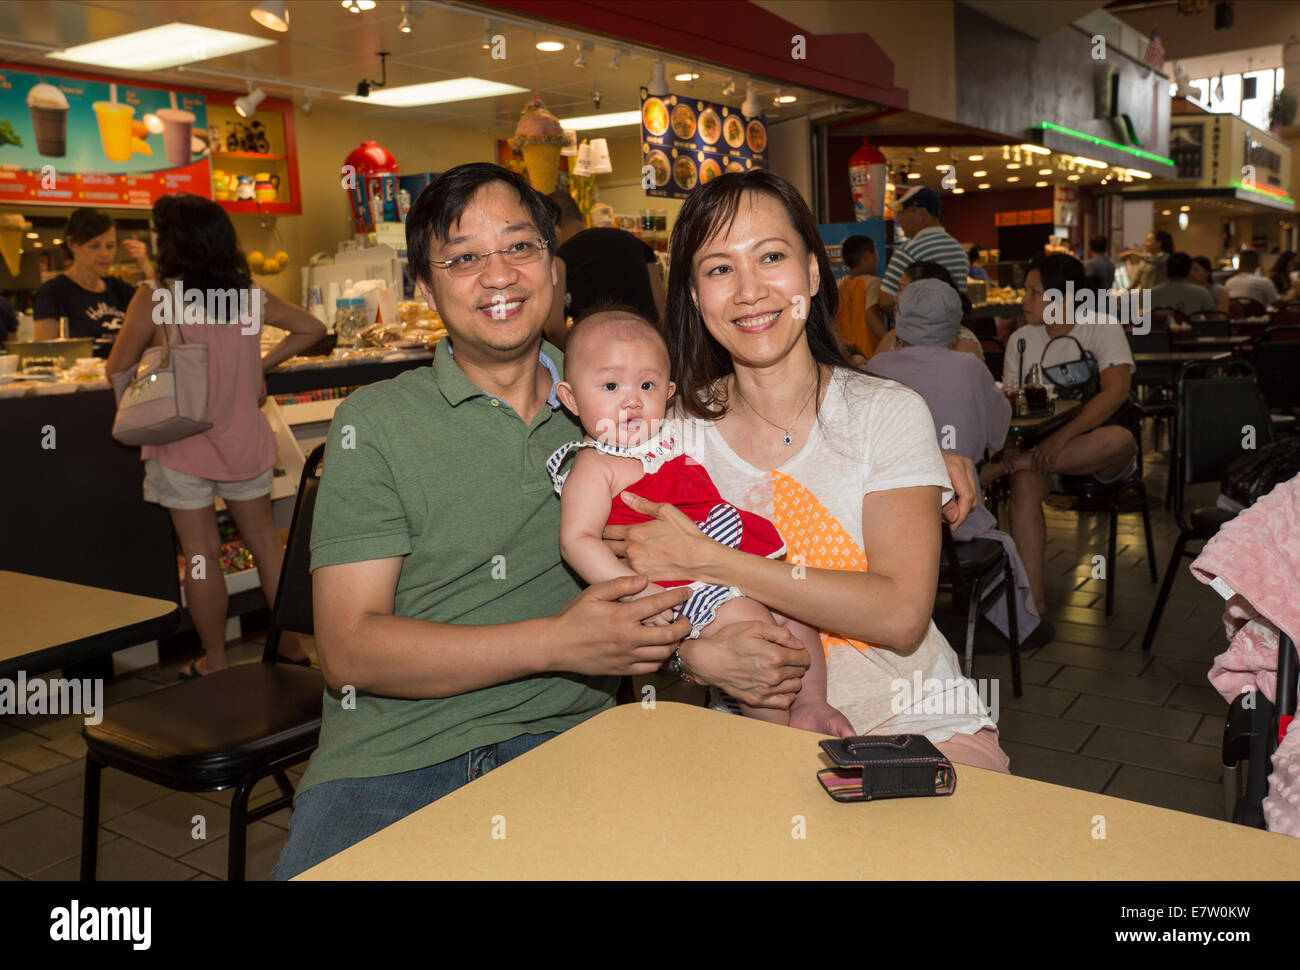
1268,195
1082,136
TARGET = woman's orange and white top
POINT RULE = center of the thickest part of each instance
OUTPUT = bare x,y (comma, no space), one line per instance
871,435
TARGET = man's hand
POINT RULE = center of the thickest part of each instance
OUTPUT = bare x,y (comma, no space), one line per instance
664,618
1048,451
599,636
820,719
759,664
965,483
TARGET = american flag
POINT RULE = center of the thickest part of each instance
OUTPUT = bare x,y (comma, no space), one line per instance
1155,55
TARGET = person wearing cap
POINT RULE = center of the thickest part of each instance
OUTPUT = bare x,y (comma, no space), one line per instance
918,213
971,415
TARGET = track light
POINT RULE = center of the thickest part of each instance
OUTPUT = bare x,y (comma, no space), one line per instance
487,35
405,25
356,6
617,60
729,88
581,59
751,108
272,14
364,85
658,86
247,104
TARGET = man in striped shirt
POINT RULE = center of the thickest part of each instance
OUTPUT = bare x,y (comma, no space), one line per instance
917,213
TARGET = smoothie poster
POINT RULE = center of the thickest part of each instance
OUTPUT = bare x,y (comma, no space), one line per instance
687,142
71,141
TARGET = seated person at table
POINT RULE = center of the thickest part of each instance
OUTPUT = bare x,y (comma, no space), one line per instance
1086,444
617,385
1202,274
1247,284
971,415
1179,293
964,340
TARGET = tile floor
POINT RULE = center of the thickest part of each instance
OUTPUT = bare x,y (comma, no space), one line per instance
1096,714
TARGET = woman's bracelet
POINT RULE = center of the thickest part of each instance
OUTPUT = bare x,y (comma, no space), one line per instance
679,668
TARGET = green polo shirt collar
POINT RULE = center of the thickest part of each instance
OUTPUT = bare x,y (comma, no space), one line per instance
457,388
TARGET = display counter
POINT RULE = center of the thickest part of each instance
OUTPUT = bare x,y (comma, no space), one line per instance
70,497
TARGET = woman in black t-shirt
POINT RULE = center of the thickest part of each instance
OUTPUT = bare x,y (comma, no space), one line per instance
93,302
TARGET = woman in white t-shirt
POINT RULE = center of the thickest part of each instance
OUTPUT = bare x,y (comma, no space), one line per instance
844,464
1085,445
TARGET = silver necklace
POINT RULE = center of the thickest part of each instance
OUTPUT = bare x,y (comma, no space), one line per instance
786,437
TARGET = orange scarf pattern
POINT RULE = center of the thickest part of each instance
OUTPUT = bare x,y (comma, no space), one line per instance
815,538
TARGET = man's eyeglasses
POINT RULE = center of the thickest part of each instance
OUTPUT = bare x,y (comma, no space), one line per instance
470,264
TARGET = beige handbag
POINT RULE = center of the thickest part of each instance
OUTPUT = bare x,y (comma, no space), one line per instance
166,397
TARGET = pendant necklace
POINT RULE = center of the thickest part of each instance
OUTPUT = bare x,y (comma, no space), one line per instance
786,437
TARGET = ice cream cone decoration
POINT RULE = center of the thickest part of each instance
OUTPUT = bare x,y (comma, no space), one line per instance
539,137
12,228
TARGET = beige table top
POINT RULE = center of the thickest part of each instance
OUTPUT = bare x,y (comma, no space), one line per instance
682,792
38,613
1062,409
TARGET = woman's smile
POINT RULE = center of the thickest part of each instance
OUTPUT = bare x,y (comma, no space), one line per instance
758,322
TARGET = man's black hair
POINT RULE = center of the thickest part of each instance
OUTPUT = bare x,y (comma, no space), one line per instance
854,248
1098,244
1179,265
442,203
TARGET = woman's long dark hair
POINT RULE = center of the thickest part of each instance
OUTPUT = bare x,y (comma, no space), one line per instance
1281,271
698,361
197,245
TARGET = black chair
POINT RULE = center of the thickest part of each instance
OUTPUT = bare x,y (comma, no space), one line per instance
1251,734
1287,315
1163,316
994,354
1276,357
1207,435
227,729
1244,306
976,573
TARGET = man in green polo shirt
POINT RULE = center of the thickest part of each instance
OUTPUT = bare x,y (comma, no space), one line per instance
451,635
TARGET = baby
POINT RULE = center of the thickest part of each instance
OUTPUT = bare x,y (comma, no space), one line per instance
616,369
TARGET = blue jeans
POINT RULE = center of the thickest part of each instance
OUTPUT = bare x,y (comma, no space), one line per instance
329,817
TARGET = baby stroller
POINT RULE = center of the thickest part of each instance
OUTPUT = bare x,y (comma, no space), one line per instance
1254,728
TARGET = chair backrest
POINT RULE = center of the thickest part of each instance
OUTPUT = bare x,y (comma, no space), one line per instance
293,600
1281,332
1244,306
1163,316
1287,315
1213,410
1219,325
994,353
1155,342
1277,360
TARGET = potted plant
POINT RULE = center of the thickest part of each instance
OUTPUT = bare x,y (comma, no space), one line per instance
1284,110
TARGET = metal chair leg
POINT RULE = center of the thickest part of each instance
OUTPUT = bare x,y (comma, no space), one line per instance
972,614
1146,528
1111,565
1170,572
238,831
90,820
1013,625
282,782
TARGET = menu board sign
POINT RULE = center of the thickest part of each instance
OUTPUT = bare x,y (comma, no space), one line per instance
688,142
73,141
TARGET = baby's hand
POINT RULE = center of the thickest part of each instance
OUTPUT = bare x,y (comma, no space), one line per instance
662,619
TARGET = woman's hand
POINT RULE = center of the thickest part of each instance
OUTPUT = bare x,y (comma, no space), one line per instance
965,483
821,718
759,664
669,547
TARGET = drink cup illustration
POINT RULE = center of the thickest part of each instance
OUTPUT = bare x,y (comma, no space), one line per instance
177,126
115,129
49,110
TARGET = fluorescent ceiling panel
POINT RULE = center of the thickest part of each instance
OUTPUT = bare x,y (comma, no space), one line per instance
437,92
161,47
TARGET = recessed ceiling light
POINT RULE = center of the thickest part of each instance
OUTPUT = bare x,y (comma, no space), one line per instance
1013,164
984,185
931,148
1184,208
1166,212
438,92
550,46
160,47
1044,171
1013,178
786,99
1137,173
32,235
272,14
980,174
1036,149
914,175
1090,162
687,76
612,119
1072,178
977,158
958,191
1040,185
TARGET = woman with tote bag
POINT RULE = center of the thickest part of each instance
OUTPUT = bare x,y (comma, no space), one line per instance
205,297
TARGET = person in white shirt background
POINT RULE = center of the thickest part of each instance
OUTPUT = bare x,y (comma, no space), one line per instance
1085,445
1248,284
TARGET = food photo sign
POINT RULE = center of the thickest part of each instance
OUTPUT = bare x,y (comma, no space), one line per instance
687,142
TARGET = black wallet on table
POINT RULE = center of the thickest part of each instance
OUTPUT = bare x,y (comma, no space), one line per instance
885,766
